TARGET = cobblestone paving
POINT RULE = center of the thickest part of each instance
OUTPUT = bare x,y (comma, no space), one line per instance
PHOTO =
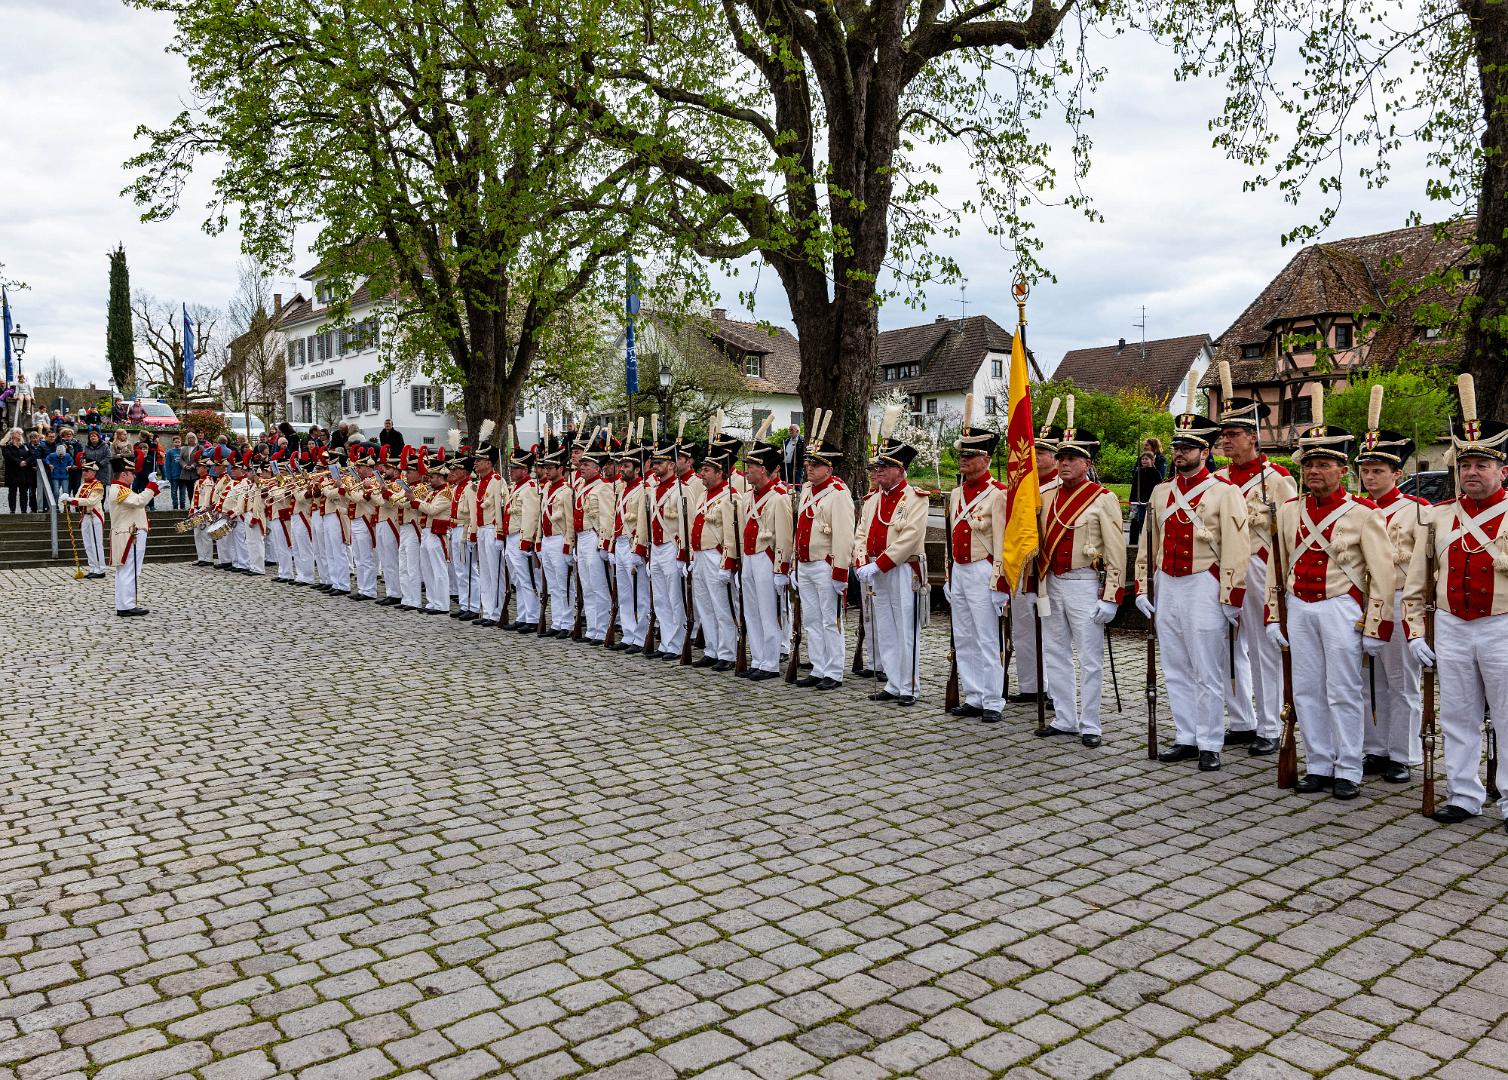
342,843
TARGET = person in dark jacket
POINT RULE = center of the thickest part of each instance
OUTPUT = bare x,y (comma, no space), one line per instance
391,438
1143,480
98,451
20,472
793,461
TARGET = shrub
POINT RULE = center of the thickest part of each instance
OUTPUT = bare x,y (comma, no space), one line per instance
208,424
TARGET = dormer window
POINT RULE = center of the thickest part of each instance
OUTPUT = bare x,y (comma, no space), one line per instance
1251,352
324,292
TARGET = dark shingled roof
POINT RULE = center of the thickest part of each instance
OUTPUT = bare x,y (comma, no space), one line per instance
1343,277
1113,368
948,350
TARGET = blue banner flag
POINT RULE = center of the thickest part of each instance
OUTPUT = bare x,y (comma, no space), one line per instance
188,350
631,375
10,367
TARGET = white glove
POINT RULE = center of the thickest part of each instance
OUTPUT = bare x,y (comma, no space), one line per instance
1422,652
724,577
867,573
570,560
1001,600
635,560
609,558
782,581
1104,612
152,477
840,587
1231,612
1275,635
1144,605
1372,646
948,592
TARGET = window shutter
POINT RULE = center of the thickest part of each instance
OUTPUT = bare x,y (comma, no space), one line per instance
439,399
416,398
290,353
374,399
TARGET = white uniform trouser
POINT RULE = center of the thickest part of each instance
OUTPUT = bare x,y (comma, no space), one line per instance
256,549
321,549
1024,645
1395,674
552,558
338,552
633,594
897,634
204,548
1067,628
128,573
761,612
279,539
669,577
596,595
1192,634
521,573
225,549
491,574
463,571
92,532
239,552
455,566
1472,658
364,555
303,548
411,565
1257,702
387,557
976,635
434,556
1325,648
819,619
714,609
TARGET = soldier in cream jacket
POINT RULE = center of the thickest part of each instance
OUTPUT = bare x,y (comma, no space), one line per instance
128,533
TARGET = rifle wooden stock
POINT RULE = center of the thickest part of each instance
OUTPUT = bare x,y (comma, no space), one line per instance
950,692
1151,647
1427,681
793,662
611,637
1288,751
858,644
578,627
1492,760
735,590
544,596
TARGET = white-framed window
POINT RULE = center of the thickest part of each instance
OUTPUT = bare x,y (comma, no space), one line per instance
754,366
427,398
302,409
296,352
798,417
324,292
931,406
997,368
374,399
358,400
757,417
320,347
991,405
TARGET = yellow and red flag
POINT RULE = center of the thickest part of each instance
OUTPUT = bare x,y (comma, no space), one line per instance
1023,496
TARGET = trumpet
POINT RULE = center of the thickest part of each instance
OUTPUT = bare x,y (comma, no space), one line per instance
193,521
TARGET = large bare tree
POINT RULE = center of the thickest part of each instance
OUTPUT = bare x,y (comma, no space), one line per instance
158,328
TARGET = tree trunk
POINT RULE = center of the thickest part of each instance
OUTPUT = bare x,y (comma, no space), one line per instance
1486,338
837,340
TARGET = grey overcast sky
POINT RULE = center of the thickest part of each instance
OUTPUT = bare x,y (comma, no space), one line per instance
1180,235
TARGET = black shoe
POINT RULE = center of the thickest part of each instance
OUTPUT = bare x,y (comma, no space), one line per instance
967,710
470,616
1396,773
486,622
1091,741
1309,784
617,646
723,665
1345,789
807,680
456,614
705,661
1240,738
674,657
1374,765
1178,752
1022,699
563,634
1261,747
527,627
406,607
866,673
629,650
882,695
828,684
358,596
906,701
1209,761
133,611
880,676
744,674
989,716
1049,731
1450,814
805,665
763,676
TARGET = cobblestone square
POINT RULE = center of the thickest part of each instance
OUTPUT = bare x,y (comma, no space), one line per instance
264,833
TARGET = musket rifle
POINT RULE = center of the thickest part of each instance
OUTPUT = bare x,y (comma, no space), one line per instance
793,662
685,538
950,691
1288,750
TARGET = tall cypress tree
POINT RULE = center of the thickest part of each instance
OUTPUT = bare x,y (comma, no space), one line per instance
120,349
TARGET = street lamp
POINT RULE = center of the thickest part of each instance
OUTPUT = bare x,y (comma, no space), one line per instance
663,394
18,341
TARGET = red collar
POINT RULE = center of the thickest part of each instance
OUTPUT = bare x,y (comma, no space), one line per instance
768,484
1050,479
1242,473
629,485
1473,507
1334,499
1390,498
715,491
971,488
1187,483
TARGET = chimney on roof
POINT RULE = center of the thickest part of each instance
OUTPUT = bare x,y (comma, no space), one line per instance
719,313
941,318
277,302
1121,345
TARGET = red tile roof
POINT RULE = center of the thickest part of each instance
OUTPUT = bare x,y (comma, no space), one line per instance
949,352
